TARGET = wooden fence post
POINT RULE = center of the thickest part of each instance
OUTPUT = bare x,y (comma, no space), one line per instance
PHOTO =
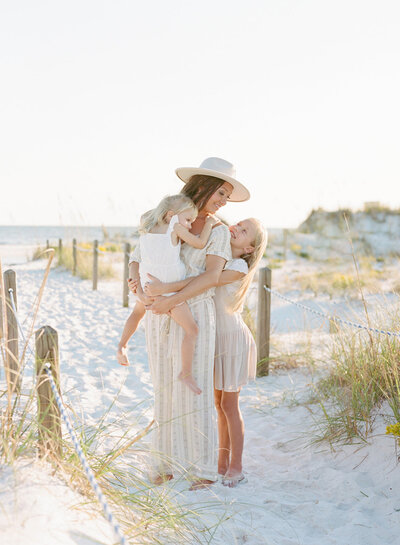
60,249
285,237
95,263
50,435
125,287
263,321
74,256
12,358
47,244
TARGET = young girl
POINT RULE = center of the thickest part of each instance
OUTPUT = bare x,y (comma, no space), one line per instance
162,231
235,349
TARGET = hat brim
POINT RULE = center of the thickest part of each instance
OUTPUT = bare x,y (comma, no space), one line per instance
239,194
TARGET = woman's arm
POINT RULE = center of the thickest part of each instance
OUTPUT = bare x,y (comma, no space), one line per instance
155,287
203,282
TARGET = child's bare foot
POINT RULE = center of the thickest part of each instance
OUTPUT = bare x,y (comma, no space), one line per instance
189,381
198,484
122,358
162,478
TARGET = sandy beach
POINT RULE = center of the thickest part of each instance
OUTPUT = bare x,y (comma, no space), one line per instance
297,492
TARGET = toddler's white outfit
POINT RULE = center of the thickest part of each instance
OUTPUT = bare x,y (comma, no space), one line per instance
160,257
235,349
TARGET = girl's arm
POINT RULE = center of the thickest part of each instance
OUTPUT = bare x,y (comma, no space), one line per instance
227,277
198,284
194,240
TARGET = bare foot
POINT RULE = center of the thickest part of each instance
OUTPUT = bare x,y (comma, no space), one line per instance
198,484
122,358
162,478
189,381
232,479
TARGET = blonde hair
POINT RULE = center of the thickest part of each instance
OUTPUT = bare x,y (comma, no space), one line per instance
259,243
156,216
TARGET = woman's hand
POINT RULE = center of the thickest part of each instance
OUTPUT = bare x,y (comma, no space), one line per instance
145,299
161,305
154,287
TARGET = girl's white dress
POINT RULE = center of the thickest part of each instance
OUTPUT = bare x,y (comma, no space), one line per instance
160,257
235,349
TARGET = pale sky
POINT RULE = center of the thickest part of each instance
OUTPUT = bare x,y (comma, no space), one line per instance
101,101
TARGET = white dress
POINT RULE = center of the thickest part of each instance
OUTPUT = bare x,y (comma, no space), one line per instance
184,436
160,257
235,349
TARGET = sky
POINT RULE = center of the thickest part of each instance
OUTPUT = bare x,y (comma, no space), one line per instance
100,101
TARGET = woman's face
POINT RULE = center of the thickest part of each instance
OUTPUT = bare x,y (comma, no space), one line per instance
243,235
218,198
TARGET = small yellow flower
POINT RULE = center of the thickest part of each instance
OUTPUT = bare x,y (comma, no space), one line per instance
393,429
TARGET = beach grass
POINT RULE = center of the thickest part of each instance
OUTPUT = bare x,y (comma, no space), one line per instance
365,372
84,266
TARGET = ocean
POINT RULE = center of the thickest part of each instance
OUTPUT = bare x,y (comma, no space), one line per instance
39,234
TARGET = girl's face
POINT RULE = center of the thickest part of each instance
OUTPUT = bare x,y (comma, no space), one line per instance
218,198
243,235
187,217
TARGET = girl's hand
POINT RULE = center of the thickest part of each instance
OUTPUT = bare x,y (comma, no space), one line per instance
161,305
154,287
133,284
212,220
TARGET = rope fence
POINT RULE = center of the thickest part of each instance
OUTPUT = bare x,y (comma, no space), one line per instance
49,420
95,251
88,471
330,317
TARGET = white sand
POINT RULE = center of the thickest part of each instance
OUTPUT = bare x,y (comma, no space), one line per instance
296,494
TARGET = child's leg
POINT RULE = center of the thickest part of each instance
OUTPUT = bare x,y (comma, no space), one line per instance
130,327
183,317
230,406
224,443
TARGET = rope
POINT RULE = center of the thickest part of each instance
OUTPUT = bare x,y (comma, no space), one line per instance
11,292
89,473
332,318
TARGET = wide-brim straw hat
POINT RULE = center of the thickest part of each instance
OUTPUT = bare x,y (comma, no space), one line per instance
219,168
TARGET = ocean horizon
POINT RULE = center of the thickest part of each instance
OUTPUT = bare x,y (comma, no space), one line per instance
39,234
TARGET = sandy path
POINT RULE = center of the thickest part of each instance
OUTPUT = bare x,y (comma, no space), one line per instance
296,494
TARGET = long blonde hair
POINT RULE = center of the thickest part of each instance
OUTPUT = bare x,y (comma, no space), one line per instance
259,243
156,216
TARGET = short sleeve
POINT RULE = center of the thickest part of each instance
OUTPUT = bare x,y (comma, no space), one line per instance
238,265
219,242
135,255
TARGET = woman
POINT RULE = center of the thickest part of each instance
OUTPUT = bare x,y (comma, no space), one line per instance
235,353
185,432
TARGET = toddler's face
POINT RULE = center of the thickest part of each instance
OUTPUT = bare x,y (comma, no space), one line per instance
187,217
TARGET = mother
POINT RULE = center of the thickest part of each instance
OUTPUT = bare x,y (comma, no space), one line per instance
185,436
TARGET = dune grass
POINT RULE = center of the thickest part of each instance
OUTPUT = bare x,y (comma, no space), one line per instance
84,267
365,373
